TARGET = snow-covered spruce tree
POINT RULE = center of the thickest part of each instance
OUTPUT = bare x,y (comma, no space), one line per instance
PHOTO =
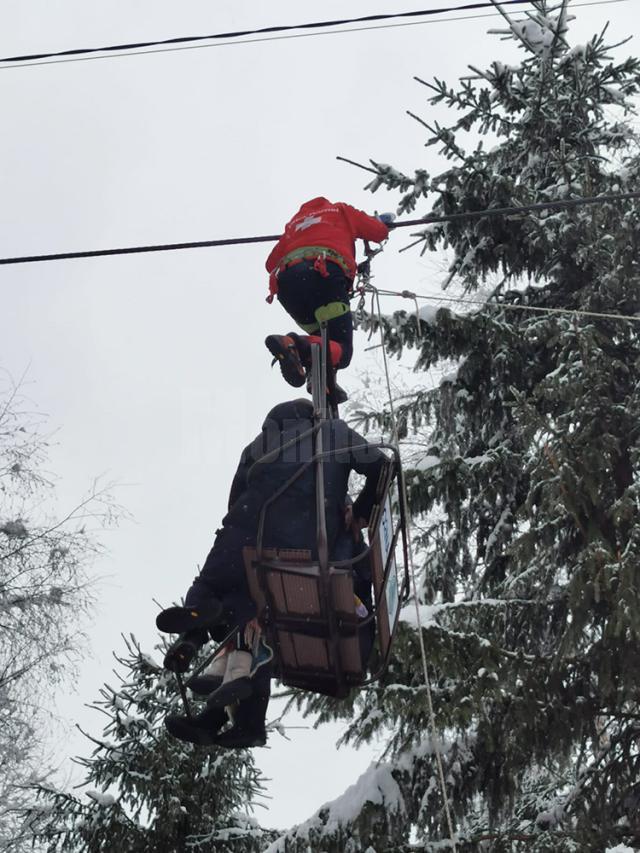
44,594
146,792
527,505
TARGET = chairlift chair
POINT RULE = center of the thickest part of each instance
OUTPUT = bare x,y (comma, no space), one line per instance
307,607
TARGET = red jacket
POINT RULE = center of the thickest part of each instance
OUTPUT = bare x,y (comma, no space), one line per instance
321,223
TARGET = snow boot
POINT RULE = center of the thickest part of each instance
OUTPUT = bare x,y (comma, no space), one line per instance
201,729
248,728
249,652
176,620
211,678
236,684
284,351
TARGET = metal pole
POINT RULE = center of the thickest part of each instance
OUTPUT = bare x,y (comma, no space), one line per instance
183,694
323,370
318,387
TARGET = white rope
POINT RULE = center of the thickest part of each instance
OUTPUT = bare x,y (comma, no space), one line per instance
423,653
408,294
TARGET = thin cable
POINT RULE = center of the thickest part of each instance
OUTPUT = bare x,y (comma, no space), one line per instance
414,587
510,306
234,241
82,51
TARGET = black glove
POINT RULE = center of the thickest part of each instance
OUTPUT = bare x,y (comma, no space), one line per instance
180,654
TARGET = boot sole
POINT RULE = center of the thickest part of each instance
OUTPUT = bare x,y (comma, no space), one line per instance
186,730
239,740
288,363
178,620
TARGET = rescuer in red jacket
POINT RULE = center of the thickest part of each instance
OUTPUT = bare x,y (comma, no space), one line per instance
311,270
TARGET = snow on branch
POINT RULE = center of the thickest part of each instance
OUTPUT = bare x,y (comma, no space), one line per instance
372,808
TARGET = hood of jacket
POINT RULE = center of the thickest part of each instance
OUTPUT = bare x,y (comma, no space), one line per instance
284,413
314,204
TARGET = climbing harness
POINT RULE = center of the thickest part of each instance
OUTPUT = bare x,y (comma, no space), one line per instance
318,254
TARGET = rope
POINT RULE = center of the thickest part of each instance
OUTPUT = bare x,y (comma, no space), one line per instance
423,653
601,315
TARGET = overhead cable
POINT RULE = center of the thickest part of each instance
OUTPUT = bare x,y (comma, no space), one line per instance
502,211
523,208
136,250
261,30
11,63
114,55
272,238
514,210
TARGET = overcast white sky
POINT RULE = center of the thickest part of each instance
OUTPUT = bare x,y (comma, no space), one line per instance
153,366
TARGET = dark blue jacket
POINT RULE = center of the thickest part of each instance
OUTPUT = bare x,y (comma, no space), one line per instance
280,451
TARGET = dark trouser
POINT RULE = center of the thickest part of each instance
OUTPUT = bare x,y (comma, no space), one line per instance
309,297
223,577
362,582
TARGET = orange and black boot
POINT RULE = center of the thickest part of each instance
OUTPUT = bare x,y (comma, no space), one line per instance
284,350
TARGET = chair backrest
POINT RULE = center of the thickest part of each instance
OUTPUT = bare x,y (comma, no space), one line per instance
311,624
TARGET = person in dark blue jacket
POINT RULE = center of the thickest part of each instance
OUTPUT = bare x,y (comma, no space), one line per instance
220,593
